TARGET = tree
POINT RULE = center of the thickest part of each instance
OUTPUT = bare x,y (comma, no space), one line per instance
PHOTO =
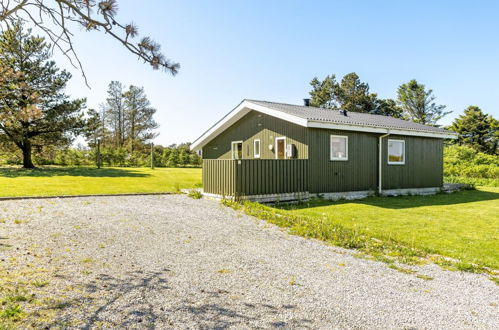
33,107
114,110
477,130
56,18
387,107
93,127
173,158
351,94
183,157
323,92
140,124
418,104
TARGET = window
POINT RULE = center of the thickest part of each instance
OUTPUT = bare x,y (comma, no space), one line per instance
256,148
396,152
339,147
237,150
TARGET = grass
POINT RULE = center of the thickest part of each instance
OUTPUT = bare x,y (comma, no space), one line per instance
473,181
463,226
53,181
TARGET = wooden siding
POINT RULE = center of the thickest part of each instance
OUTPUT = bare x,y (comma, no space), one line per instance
219,177
270,176
358,173
423,166
254,126
254,176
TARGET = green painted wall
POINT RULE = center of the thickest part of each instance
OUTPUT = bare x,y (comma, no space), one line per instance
423,166
253,126
357,173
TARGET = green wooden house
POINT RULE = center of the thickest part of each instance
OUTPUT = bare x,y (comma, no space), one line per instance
270,151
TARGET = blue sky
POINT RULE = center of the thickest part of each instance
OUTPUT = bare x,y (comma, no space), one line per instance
231,50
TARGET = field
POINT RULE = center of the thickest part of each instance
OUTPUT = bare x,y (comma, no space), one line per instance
52,181
463,225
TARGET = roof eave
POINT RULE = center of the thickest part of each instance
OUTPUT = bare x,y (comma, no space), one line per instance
246,106
381,130
237,113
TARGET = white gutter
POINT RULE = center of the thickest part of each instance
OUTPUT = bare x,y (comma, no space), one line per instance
380,177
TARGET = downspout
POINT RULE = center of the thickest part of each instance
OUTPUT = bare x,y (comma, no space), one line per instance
380,177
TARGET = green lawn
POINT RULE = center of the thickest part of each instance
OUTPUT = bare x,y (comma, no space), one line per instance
463,225
53,181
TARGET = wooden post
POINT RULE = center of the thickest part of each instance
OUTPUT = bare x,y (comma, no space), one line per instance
152,155
98,153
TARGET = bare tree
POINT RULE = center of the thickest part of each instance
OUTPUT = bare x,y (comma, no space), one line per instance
55,18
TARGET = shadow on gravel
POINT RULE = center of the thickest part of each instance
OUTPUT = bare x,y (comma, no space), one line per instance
70,171
146,300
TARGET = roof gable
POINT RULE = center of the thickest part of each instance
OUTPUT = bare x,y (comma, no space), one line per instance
323,118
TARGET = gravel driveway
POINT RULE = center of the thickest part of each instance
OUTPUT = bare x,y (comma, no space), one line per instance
175,262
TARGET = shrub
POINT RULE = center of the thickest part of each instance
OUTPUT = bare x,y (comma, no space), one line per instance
465,165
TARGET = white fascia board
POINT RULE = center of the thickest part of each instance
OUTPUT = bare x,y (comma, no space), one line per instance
369,129
343,127
443,135
242,109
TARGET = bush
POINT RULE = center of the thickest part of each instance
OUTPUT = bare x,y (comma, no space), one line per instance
465,165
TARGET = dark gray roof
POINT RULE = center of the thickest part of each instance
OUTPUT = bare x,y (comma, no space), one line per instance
352,118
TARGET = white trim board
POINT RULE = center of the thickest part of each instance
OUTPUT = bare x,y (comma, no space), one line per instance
246,106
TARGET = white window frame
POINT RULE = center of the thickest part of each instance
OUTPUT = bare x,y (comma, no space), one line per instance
388,152
276,151
331,148
232,149
257,155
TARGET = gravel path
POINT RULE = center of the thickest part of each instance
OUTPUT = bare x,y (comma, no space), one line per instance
175,262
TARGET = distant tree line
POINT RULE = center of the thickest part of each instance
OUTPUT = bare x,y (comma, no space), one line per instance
414,102
170,156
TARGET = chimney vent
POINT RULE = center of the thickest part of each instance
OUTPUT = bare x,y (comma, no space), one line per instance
306,102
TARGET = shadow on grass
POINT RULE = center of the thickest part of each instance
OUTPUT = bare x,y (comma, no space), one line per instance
405,202
70,171
147,300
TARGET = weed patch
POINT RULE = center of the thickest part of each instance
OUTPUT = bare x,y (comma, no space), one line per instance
424,277
11,311
401,269
39,284
223,271
195,194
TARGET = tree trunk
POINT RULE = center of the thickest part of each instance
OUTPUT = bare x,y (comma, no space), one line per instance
27,162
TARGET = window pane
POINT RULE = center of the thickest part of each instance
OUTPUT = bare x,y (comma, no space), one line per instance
338,147
396,151
257,147
239,151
